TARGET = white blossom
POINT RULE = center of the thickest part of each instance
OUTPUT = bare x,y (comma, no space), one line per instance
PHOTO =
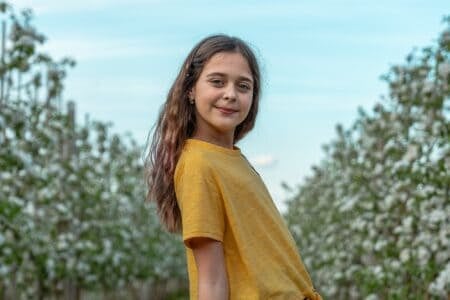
372,297
423,255
4,270
444,69
437,216
411,153
441,285
29,208
404,255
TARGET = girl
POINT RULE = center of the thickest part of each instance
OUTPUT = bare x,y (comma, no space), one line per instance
237,244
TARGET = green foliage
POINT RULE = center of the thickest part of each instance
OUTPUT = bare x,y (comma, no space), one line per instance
79,217
373,221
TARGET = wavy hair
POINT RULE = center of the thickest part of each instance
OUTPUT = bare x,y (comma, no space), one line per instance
177,122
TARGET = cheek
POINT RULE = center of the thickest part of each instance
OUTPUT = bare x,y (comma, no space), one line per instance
246,110
207,93
249,102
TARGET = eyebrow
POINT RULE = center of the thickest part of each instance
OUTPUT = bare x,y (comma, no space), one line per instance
245,78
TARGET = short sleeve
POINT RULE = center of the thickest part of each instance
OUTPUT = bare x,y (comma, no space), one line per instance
200,201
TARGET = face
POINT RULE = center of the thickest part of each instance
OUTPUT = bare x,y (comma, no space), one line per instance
223,95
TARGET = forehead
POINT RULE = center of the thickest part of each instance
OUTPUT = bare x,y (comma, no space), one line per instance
230,63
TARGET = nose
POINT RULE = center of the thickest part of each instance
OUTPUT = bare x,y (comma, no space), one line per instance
230,92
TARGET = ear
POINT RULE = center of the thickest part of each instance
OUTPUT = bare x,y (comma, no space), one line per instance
191,94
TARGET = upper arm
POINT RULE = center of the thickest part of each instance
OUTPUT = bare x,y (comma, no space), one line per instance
210,261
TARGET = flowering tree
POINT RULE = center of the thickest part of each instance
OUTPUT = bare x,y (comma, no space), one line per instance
373,221
72,216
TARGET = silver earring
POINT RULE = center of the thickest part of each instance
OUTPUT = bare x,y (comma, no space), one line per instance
191,101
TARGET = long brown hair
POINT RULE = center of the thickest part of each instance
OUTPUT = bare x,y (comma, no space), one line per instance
176,123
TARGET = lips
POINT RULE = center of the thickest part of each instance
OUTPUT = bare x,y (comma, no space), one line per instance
226,110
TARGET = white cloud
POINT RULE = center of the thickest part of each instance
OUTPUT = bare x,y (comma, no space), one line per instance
263,160
110,86
83,48
306,102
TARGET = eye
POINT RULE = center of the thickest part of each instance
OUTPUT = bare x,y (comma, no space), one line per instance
216,82
244,86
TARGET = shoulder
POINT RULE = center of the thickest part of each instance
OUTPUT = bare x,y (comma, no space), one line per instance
192,163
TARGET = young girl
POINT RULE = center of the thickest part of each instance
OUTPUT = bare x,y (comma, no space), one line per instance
237,244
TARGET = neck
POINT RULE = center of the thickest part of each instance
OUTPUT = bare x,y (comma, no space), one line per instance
225,142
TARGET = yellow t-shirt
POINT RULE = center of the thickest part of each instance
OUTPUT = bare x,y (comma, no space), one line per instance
221,197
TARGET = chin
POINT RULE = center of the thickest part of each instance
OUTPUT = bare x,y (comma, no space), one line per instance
226,128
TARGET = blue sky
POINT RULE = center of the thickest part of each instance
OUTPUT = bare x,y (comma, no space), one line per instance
320,60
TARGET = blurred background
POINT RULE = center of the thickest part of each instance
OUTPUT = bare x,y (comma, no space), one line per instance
352,140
